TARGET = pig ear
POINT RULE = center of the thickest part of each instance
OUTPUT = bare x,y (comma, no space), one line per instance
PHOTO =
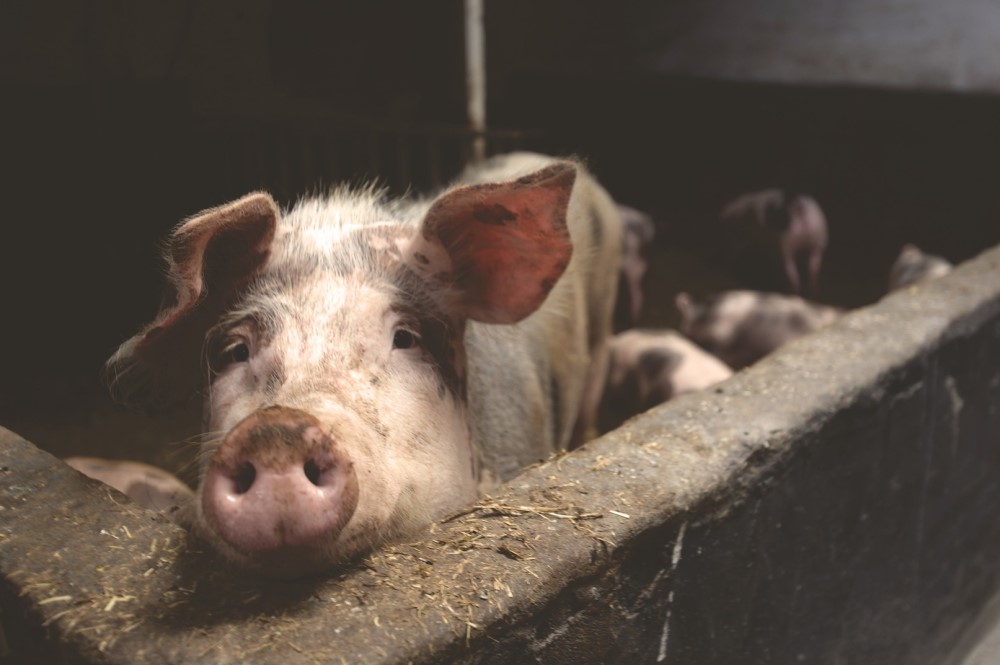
498,247
210,257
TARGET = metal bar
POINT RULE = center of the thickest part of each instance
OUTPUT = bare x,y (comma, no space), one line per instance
475,71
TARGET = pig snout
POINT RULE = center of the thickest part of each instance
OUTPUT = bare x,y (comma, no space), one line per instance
278,481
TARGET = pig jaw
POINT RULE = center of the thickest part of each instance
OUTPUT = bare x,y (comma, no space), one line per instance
399,480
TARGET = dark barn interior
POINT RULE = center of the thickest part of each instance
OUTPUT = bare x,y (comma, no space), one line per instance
121,119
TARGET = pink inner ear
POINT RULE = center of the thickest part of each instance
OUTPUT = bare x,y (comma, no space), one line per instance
508,243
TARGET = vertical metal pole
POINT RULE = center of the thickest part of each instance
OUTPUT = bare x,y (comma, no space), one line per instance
475,76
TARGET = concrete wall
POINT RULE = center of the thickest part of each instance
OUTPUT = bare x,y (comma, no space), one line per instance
121,119
834,504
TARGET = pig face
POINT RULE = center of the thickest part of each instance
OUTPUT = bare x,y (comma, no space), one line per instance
333,352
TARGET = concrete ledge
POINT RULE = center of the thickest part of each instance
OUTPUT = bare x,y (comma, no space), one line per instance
834,504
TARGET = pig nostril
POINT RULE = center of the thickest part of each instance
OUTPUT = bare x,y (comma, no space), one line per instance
312,471
245,475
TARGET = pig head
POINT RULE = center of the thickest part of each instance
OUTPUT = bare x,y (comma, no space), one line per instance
328,345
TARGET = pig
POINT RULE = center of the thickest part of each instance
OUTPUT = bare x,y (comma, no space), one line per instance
638,231
913,266
791,226
367,364
147,485
741,327
649,367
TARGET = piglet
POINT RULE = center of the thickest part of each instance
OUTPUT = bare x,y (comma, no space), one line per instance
649,367
741,327
639,231
145,484
778,223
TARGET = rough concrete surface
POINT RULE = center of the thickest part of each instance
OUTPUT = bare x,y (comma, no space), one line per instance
833,504
981,643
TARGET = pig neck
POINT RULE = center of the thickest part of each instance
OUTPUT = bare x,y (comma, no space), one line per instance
509,396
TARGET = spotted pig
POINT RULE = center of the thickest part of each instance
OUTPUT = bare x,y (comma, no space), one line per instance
649,367
741,327
145,484
368,364
788,226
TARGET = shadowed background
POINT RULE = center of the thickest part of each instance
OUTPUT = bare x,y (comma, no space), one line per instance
121,119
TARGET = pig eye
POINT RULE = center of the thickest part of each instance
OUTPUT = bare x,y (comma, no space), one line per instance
238,352
404,339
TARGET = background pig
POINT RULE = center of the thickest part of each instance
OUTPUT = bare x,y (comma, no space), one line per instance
741,327
649,367
638,231
370,362
913,266
146,485
597,246
790,226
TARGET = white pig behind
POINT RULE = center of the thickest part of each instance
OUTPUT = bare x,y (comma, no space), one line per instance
567,339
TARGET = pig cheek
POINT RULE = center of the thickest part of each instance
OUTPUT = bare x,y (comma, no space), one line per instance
431,446
443,456
231,398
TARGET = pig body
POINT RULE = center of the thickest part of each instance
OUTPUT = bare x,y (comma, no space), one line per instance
147,485
791,226
913,265
741,327
371,362
570,335
649,367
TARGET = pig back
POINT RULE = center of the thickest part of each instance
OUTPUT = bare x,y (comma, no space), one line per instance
527,381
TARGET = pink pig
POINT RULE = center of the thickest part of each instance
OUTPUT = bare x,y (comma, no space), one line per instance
741,327
791,225
648,367
370,364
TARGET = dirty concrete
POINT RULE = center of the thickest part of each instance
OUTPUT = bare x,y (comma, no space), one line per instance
833,504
